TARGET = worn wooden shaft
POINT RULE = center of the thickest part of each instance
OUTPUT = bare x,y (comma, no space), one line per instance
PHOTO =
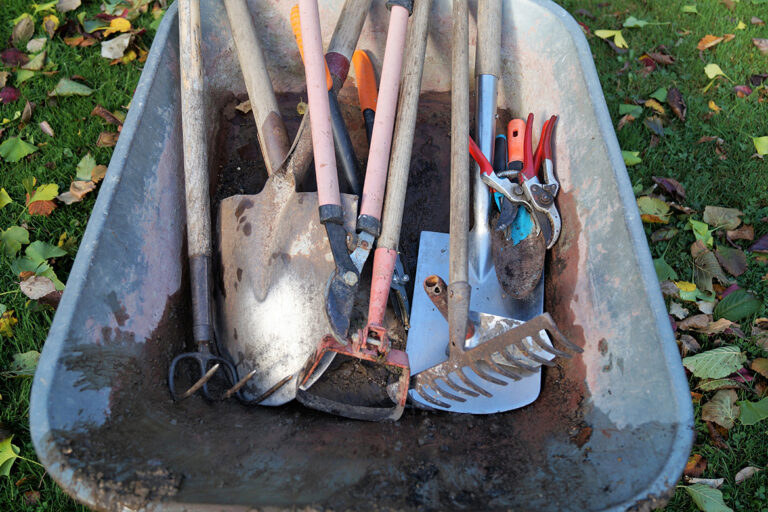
458,289
344,38
408,105
488,58
273,137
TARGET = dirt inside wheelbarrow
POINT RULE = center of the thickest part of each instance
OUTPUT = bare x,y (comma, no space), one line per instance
426,460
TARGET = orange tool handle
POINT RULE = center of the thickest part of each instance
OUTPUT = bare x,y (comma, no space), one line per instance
296,26
515,144
366,80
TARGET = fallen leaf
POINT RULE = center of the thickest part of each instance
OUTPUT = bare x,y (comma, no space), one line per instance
5,199
8,454
44,193
107,139
14,149
738,305
722,408
677,103
117,25
77,191
106,115
67,5
98,173
115,47
653,210
696,397
618,39
36,64
663,270
708,41
716,363
694,322
664,234
705,307
745,473
753,412
4,78
36,287
660,95
675,309
717,437
244,107
23,30
35,45
26,114
761,145
742,91
67,87
760,246
43,208
756,21
716,327
31,497
701,231
741,26
761,44
671,186
9,95
654,124
720,217
85,167
745,232
655,105
713,70
688,344
732,259
760,365
12,239
7,321
714,483
46,128
12,57
713,106
717,384
690,9
50,24
695,466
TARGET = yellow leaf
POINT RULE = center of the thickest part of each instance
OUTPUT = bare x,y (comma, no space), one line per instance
713,106
741,26
655,105
117,25
713,70
618,39
685,286
50,24
7,321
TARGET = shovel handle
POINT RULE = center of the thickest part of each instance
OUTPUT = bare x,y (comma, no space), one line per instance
381,139
344,39
488,59
320,112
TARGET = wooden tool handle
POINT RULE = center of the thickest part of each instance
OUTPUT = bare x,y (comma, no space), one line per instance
273,137
345,36
488,58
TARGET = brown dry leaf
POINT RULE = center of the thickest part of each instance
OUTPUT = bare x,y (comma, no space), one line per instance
46,128
695,466
74,41
716,436
722,408
77,191
756,21
625,119
732,259
655,105
745,232
244,107
728,37
107,139
677,103
106,115
31,497
761,44
98,172
688,345
43,208
760,365
695,322
717,326
26,114
745,473
714,483
36,287
662,58
696,397
708,41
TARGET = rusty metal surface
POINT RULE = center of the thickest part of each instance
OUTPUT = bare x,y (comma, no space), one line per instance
611,429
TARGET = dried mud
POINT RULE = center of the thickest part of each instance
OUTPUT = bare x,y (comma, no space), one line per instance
150,448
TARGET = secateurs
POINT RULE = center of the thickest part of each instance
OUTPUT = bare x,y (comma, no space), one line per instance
529,191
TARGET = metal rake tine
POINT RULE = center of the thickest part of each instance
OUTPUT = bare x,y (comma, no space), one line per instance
200,382
466,380
458,388
554,331
513,361
535,357
503,371
271,390
483,375
539,341
234,389
419,388
440,391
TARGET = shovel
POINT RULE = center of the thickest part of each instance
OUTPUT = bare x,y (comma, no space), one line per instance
275,257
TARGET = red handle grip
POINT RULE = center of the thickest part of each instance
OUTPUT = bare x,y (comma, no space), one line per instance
479,157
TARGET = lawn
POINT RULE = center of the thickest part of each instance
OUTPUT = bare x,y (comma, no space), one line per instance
711,156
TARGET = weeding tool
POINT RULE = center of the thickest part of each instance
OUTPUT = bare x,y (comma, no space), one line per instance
372,343
198,213
275,255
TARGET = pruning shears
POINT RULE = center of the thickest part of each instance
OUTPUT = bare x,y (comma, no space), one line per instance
529,191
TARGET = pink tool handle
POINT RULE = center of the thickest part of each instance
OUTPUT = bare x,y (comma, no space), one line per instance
319,108
386,108
383,269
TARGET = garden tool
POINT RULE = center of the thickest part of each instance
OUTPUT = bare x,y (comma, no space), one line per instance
198,214
372,342
351,257
345,153
275,257
487,296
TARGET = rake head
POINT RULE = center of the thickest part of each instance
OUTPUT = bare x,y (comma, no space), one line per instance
503,349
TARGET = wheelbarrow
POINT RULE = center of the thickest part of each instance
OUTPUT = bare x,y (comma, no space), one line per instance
611,429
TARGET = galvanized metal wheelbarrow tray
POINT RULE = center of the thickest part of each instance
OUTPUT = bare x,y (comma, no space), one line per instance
610,431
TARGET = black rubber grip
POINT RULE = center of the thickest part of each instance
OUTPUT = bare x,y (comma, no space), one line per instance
369,224
407,4
332,213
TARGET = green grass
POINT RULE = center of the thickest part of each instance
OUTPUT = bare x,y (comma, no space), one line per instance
739,181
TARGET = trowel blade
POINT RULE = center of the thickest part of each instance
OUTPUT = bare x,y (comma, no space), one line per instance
428,338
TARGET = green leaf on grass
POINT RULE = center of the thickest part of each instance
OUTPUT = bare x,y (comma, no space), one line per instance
23,75
753,412
67,87
40,252
716,363
761,145
719,217
5,199
701,231
722,409
664,271
8,454
660,94
632,22
738,305
45,192
707,498
14,149
12,240
653,209
631,158
634,110
23,365
618,39
706,267
85,167
691,9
